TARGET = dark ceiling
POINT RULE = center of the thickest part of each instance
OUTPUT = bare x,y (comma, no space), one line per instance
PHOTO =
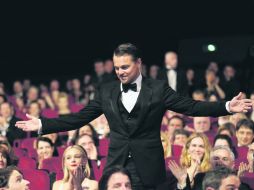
64,39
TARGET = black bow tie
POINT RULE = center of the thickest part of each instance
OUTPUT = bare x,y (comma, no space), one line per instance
127,87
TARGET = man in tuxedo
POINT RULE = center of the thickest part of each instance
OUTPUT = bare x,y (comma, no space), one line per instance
7,123
175,77
134,107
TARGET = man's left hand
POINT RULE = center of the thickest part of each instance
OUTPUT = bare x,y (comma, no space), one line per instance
237,104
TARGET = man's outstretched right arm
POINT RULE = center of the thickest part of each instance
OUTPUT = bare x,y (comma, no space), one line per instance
66,123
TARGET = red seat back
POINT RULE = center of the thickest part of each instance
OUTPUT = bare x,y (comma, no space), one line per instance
20,152
176,150
98,170
242,152
39,179
53,164
103,147
76,107
49,113
26,163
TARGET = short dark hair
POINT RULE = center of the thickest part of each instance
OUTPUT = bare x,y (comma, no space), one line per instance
5,174
180,132
247,123
94,134
6,155
229,140
213,178
81,136
128,49
177,117
45,139
224,137
227,126
103,183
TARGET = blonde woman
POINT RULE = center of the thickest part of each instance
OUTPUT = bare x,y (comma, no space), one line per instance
76,171
195,158
166,144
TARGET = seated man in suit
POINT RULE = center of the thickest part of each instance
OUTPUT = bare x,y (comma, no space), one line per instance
7,123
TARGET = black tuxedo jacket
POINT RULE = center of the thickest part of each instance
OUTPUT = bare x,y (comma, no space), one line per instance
143,140
14,132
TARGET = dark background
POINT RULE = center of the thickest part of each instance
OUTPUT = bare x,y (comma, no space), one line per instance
45,41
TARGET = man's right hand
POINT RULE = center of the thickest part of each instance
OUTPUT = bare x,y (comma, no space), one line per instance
32,124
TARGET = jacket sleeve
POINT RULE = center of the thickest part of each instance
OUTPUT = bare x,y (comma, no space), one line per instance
76,120
175,102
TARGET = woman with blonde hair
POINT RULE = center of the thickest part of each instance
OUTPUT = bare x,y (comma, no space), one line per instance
76,171
166,144
195,158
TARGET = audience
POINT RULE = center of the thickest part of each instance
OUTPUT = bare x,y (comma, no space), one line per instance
76,170
235,130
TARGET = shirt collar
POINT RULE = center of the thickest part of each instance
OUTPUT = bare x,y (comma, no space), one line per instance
138,81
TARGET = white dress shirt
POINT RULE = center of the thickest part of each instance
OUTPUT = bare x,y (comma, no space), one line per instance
171,74
130,97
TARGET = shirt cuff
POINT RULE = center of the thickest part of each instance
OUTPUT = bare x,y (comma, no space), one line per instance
227,107
40,128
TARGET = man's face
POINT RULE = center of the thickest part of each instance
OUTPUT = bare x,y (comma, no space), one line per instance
109,66
175,123
119,181
16,182
5,110
171,60
17,87
221,157
180,139
244,136
229,183
99,68
127,70
229,72
87,143
201,124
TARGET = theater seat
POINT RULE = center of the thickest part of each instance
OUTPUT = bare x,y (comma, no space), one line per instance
39,179
103,147
20,152
53,164
26,163
76,107
176,150
97,170
49,113
242,152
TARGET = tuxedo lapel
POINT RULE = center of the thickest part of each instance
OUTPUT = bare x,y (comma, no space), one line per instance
144,100
115,93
